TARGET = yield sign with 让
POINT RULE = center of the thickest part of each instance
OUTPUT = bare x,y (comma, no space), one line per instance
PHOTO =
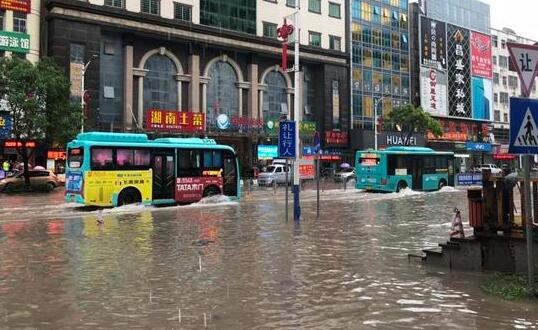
525,60
523,128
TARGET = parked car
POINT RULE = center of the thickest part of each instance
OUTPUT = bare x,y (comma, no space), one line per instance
39,180
344,174
273,173
494,168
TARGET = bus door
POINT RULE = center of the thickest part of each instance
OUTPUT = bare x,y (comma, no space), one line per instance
416,171
164,179
230,174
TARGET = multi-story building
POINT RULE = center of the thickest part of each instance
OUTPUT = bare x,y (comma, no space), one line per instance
216,57
505,81
380,64
20,29
451,75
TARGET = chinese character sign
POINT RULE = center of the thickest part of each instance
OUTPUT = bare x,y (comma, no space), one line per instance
14,42
433,43
459,72
286,139
481,55
433,91
16,5
6,125
163,120
335,138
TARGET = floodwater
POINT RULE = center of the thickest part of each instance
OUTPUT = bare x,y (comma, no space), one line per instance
241,265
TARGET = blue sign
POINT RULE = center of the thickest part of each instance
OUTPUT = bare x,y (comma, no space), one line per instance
477,146
73,182
316,141
523,129
6,125
469,179
286,139
267,151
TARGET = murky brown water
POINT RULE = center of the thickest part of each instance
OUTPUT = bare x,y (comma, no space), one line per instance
240,266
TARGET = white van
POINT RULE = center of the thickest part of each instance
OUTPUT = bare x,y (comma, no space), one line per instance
274,173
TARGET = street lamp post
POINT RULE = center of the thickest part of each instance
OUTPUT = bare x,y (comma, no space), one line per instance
82,90
377,101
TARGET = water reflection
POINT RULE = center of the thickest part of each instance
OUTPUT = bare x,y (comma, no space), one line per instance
243,266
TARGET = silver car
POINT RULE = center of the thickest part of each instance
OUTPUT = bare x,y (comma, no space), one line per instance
344,175
273,174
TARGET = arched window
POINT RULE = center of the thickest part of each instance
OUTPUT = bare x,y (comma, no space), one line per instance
222,92
160,85
275,98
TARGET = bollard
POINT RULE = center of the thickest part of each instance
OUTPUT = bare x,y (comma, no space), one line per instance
345,184
274,186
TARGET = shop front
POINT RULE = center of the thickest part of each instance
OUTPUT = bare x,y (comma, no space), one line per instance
469,140
361,140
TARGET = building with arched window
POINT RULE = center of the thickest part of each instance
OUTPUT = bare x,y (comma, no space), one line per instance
201,57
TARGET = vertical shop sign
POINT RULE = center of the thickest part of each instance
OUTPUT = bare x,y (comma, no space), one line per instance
459,72
481,55
433,43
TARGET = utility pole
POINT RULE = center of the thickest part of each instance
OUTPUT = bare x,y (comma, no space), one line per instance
83,91
296,113
376,118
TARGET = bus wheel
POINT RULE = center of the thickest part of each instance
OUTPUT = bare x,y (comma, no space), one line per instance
129,196
401,185
442,183
211,191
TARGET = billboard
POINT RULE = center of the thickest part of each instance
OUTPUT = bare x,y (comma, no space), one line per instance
433,43
482,98
433,91
175,121
459,72
481,55
17,5
6,125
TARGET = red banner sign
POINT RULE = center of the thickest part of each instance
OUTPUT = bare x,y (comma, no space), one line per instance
14,144
17,5
335,138
481,55
165,120
460,131
56,155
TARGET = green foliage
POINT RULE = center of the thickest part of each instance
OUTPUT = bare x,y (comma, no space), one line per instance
508,286
414,120
37,97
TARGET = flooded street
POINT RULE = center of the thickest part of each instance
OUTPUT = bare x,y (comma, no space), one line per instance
240,265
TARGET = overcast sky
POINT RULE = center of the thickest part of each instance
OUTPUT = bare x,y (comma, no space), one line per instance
519,15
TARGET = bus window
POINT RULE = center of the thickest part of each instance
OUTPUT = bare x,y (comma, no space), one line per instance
142,158
101,159
188,163
132,159
212,159
75,157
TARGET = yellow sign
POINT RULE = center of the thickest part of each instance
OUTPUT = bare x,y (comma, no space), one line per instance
101,188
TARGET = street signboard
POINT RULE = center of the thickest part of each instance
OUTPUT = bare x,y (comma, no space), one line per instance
286,139
525,60
316,141
523,129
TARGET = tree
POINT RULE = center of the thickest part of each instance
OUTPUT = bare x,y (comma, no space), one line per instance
37,97
412,120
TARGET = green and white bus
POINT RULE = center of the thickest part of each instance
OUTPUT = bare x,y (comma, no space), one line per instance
398,168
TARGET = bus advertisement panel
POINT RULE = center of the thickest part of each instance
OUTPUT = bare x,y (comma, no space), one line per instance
111,169
397,168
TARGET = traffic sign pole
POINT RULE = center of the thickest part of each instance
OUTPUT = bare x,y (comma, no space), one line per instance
296,176
524,138
528,223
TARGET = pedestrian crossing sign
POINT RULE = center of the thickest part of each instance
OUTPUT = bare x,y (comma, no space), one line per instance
523,128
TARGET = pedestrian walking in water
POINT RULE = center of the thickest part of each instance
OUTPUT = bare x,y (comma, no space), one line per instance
457,226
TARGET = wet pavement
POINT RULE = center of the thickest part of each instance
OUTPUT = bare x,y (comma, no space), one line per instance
240,265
